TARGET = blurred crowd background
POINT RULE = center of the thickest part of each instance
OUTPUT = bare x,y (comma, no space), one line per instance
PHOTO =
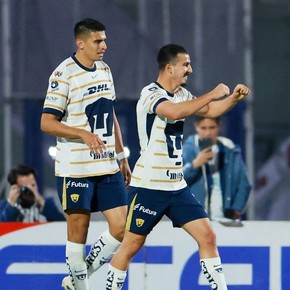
230,41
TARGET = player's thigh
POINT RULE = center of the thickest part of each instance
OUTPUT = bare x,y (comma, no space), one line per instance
184,208
146,208
75,193
111,192
201,230
116,218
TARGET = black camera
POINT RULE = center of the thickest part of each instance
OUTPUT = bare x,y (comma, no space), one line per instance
26,198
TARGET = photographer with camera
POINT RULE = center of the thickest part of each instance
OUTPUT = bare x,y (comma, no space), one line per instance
215,172
24,202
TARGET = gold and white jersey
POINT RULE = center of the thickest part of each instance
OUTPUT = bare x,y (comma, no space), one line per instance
83,98
160,164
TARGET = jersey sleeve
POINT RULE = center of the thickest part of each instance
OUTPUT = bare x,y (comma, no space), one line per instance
57,93
112,84
151,97
184,94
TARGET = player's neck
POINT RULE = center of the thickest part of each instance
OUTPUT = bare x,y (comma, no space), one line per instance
84,60
167,84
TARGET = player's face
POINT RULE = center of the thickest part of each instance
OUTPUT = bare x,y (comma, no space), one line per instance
208,128
95,46
182,68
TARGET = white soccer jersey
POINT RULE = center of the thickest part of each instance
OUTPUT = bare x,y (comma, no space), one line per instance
160,164
83,98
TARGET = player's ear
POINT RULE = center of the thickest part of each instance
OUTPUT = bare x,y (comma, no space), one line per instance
80,43
168,68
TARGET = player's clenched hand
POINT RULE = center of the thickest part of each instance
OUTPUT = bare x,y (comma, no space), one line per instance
220,91
93,141
240,92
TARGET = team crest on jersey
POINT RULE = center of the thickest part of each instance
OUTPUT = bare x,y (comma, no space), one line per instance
58,73
139,223
75,197
54,85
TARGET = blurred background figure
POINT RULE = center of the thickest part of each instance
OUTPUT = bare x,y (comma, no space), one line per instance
272,186
215,171
24,202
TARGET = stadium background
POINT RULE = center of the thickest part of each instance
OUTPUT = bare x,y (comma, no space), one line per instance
229,41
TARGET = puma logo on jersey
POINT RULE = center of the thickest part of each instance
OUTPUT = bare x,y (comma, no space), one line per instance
75,197
139,222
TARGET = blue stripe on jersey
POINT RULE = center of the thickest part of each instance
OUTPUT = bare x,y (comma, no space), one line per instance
175,130
157,103
149,122
100,117
53,111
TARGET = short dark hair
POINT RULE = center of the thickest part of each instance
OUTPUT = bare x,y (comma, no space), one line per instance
198,119
88,25
19,170
168,53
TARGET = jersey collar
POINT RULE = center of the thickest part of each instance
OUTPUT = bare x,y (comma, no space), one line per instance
168,93
83,67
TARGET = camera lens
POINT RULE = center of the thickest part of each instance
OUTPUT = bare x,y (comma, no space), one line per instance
26,198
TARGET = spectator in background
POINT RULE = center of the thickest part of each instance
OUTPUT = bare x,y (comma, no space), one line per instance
24,202
215,171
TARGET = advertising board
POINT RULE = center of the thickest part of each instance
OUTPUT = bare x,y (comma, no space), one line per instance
255,257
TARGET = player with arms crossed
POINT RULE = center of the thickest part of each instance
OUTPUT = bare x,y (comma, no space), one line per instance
158,187
78,109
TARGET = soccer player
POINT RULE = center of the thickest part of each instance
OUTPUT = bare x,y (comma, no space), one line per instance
158,187
79,111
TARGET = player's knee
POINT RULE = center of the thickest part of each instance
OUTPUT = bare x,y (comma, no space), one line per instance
78,234
119,235
78,231
133,244
209,238
118,231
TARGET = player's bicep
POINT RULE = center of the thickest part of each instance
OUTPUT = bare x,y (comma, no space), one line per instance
48,121
165,109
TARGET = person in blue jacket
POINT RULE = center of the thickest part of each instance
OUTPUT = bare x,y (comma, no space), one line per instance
215,171
24,202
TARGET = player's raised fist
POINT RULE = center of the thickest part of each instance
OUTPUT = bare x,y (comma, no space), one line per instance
220,91
240,92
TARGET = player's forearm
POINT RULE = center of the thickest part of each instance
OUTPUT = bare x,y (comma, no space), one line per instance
175,111
219,107
56,128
